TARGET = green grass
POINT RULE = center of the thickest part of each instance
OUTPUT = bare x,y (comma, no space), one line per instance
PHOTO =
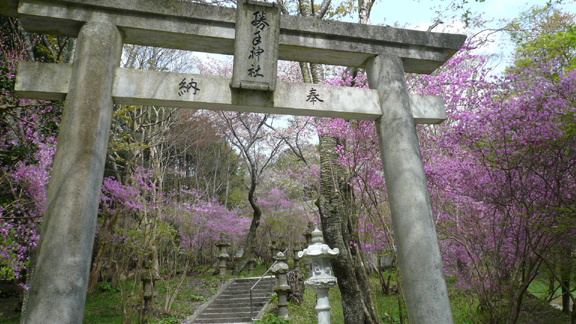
464,309
8,315
537,307
105,305
386,307
539,287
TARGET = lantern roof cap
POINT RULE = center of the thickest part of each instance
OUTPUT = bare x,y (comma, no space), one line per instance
318,248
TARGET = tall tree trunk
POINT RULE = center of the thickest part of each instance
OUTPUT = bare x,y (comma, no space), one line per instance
340,232
551,285
565,274
256,215
227,180
305,72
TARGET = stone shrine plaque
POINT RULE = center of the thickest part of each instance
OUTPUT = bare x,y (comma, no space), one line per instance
256,46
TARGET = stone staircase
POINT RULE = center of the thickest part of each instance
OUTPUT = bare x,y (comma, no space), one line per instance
232,302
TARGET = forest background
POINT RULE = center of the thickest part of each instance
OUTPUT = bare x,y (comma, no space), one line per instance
501,170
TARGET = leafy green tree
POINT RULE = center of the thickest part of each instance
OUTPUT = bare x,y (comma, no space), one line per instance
542,34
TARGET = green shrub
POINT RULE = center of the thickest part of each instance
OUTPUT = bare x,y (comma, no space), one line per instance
169,320
106,287
271,319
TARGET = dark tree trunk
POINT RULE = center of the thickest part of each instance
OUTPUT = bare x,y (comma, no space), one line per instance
28,282
565,274
256,215
339,230
296,283
551,285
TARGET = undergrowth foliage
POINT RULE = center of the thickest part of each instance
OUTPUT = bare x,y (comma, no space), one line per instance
28,131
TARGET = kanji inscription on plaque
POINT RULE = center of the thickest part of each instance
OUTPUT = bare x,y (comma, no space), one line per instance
256,46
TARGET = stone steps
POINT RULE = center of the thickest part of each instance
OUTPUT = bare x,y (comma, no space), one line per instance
232,303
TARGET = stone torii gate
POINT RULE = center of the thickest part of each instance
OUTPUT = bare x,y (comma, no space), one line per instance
259,37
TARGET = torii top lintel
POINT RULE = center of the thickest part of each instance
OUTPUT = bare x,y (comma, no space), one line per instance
198,27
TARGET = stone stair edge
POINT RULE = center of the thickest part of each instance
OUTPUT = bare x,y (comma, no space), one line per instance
236,305
210,301
246,295
231,316
255,278
262,298
247,289
223,321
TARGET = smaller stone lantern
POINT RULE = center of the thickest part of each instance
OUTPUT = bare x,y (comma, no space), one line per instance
308,233
308,237
296,249
274,249
223,255
281,288
148,277
321,278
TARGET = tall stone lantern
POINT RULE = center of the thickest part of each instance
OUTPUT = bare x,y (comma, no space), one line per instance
274,249
321,278
223,255
281,288
296,249
308,237
308,233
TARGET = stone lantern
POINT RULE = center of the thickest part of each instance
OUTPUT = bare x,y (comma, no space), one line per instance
308,237
148,277
223,255
274,249
296,258
321,278
308,233
281,288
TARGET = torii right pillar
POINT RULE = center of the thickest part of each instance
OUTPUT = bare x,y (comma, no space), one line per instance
423,281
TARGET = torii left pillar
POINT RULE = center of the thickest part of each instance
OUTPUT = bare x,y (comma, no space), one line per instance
58,289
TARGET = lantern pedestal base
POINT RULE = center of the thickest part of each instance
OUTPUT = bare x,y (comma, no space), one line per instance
322,304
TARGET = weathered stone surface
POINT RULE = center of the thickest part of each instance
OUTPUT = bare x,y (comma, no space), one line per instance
58,288
9,8
427,109
43,81
137,87
256,46
423,280
281,288
223,255
197,27
281,267
321,278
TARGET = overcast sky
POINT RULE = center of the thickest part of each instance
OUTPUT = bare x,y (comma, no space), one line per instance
423,12
420,14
